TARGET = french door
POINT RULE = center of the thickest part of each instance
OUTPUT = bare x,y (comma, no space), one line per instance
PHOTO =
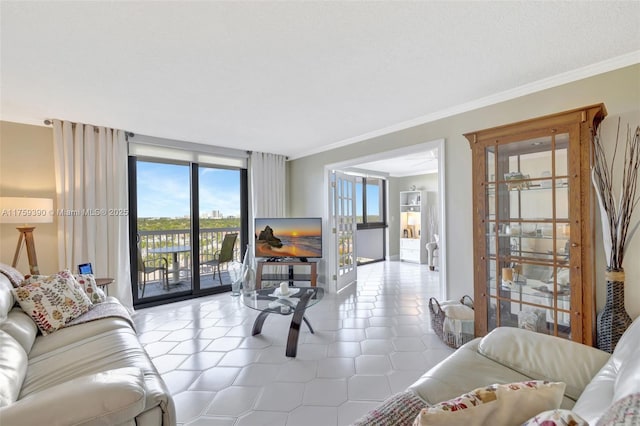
344,224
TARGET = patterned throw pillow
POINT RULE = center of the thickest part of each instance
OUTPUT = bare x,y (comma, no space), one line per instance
88,284
558,417
15,276
397,410
624,412
509,404
52,301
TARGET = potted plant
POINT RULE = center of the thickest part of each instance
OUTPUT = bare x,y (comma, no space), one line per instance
617,229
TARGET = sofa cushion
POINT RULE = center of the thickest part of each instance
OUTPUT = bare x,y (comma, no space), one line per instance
21,327
463,370
110,397
543,357
6,297
619,377
118,347
498,404
52,300
72,335
627,356
13,367
628,379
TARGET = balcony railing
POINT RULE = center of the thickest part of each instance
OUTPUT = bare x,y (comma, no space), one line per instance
210,242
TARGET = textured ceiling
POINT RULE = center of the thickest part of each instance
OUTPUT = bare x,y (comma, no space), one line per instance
417,163
293,78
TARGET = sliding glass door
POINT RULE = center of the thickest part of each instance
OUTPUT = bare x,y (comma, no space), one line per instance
163,224
219,200
188,226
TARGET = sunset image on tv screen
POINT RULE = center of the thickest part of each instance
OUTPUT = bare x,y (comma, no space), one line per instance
288,237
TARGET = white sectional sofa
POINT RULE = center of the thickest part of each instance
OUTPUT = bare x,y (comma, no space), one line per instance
596,381
92,373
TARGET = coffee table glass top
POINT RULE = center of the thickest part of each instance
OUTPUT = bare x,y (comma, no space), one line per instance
270,300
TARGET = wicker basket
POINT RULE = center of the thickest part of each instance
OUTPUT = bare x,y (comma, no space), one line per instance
437,323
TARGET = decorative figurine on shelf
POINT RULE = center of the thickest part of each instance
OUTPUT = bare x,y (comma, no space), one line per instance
507,277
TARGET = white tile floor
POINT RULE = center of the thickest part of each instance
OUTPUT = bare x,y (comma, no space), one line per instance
370,342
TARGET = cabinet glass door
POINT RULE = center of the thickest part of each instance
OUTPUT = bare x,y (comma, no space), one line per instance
527,234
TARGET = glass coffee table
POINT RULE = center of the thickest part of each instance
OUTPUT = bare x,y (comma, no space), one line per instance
269,301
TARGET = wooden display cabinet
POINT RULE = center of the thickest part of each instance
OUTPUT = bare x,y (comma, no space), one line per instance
533,224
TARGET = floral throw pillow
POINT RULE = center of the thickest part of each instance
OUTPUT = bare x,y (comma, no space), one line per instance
88,284
52,301
557,417
499,404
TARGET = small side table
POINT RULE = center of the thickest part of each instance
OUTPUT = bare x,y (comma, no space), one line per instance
103,283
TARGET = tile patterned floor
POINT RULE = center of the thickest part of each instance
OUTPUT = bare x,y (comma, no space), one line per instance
371,341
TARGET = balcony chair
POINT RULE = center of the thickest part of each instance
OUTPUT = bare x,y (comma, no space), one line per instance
224,255
146,267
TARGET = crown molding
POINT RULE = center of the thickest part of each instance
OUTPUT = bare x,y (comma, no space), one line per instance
602,67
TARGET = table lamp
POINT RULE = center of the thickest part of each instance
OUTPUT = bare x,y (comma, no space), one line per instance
26,211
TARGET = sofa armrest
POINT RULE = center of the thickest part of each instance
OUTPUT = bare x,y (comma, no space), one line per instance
544,357
108,398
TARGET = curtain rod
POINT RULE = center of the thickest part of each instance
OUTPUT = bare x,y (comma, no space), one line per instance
49,122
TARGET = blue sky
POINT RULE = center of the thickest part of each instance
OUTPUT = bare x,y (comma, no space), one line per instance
373,200
164,190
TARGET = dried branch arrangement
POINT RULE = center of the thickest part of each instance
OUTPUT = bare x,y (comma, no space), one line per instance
616,214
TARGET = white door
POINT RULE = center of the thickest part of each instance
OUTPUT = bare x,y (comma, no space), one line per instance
343,209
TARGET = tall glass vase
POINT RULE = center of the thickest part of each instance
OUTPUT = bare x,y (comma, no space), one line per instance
613,320
248,271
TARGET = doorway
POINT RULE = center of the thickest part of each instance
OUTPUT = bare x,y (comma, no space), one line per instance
420,159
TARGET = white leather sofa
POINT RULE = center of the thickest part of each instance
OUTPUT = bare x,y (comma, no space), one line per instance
94,373
594,379
600,388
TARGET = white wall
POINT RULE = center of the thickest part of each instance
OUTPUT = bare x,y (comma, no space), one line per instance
369,243
619,90
27,170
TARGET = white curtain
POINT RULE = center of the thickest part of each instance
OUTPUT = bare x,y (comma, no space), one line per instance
268,190
268,185
92,190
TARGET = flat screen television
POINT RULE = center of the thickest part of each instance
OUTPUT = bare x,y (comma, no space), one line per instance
291,237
